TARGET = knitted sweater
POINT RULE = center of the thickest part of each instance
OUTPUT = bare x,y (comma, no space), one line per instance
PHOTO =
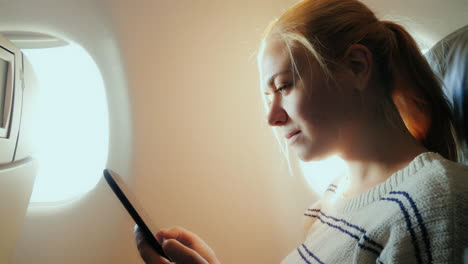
418,215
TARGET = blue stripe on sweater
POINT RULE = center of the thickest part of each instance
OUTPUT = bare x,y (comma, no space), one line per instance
408,225
352,226
420,222
302,256
331,188
377,253
312,255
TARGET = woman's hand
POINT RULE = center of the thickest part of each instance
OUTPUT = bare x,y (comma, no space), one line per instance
179,244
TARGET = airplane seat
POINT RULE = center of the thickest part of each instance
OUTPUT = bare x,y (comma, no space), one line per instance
449,59
16,185
17,166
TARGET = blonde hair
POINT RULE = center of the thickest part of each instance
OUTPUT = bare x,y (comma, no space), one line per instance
410,93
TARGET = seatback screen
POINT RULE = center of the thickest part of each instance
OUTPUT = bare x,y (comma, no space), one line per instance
3,86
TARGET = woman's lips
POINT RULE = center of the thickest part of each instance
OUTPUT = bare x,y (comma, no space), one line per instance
290,135
293,136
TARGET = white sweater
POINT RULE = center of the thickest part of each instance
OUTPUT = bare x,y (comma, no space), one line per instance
418,215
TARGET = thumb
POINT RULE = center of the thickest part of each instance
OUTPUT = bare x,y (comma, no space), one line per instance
179,253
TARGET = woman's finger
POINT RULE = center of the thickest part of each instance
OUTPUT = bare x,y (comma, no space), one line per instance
146,251
191,240
180,253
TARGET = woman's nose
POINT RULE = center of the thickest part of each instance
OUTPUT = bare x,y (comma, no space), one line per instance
276,115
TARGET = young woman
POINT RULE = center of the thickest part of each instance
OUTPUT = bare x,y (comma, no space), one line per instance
337,80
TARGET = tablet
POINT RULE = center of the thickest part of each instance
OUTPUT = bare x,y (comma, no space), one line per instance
122,192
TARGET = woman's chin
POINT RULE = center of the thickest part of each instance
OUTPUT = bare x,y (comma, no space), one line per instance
310,155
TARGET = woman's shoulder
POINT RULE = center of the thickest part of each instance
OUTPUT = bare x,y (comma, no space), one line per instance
430,208
437,188
314,210
436,176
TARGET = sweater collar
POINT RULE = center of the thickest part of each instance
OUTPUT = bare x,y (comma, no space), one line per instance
375,193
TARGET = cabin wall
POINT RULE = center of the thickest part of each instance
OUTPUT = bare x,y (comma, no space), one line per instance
185,116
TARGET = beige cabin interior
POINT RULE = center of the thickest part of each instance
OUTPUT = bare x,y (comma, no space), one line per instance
187,128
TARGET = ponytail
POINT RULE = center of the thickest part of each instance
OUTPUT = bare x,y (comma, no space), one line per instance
418,96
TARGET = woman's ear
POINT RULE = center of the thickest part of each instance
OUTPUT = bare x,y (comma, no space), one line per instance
358,59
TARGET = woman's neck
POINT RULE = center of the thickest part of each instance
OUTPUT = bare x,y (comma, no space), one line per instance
374,154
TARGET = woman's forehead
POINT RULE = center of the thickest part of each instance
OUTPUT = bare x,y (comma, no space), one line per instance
274,58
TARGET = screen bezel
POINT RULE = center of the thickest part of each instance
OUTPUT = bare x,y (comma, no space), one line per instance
8,56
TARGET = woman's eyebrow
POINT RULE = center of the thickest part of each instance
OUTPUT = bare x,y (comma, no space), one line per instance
270,81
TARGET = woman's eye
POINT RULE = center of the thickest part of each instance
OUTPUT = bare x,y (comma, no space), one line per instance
283,88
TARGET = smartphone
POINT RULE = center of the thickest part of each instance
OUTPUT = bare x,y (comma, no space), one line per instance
119,187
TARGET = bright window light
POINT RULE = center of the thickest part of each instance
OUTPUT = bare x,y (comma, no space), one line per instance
71,123
319,174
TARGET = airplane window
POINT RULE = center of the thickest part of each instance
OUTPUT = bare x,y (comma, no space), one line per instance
319,174
71,126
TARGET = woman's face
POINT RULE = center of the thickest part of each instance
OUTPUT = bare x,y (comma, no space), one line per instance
307,113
